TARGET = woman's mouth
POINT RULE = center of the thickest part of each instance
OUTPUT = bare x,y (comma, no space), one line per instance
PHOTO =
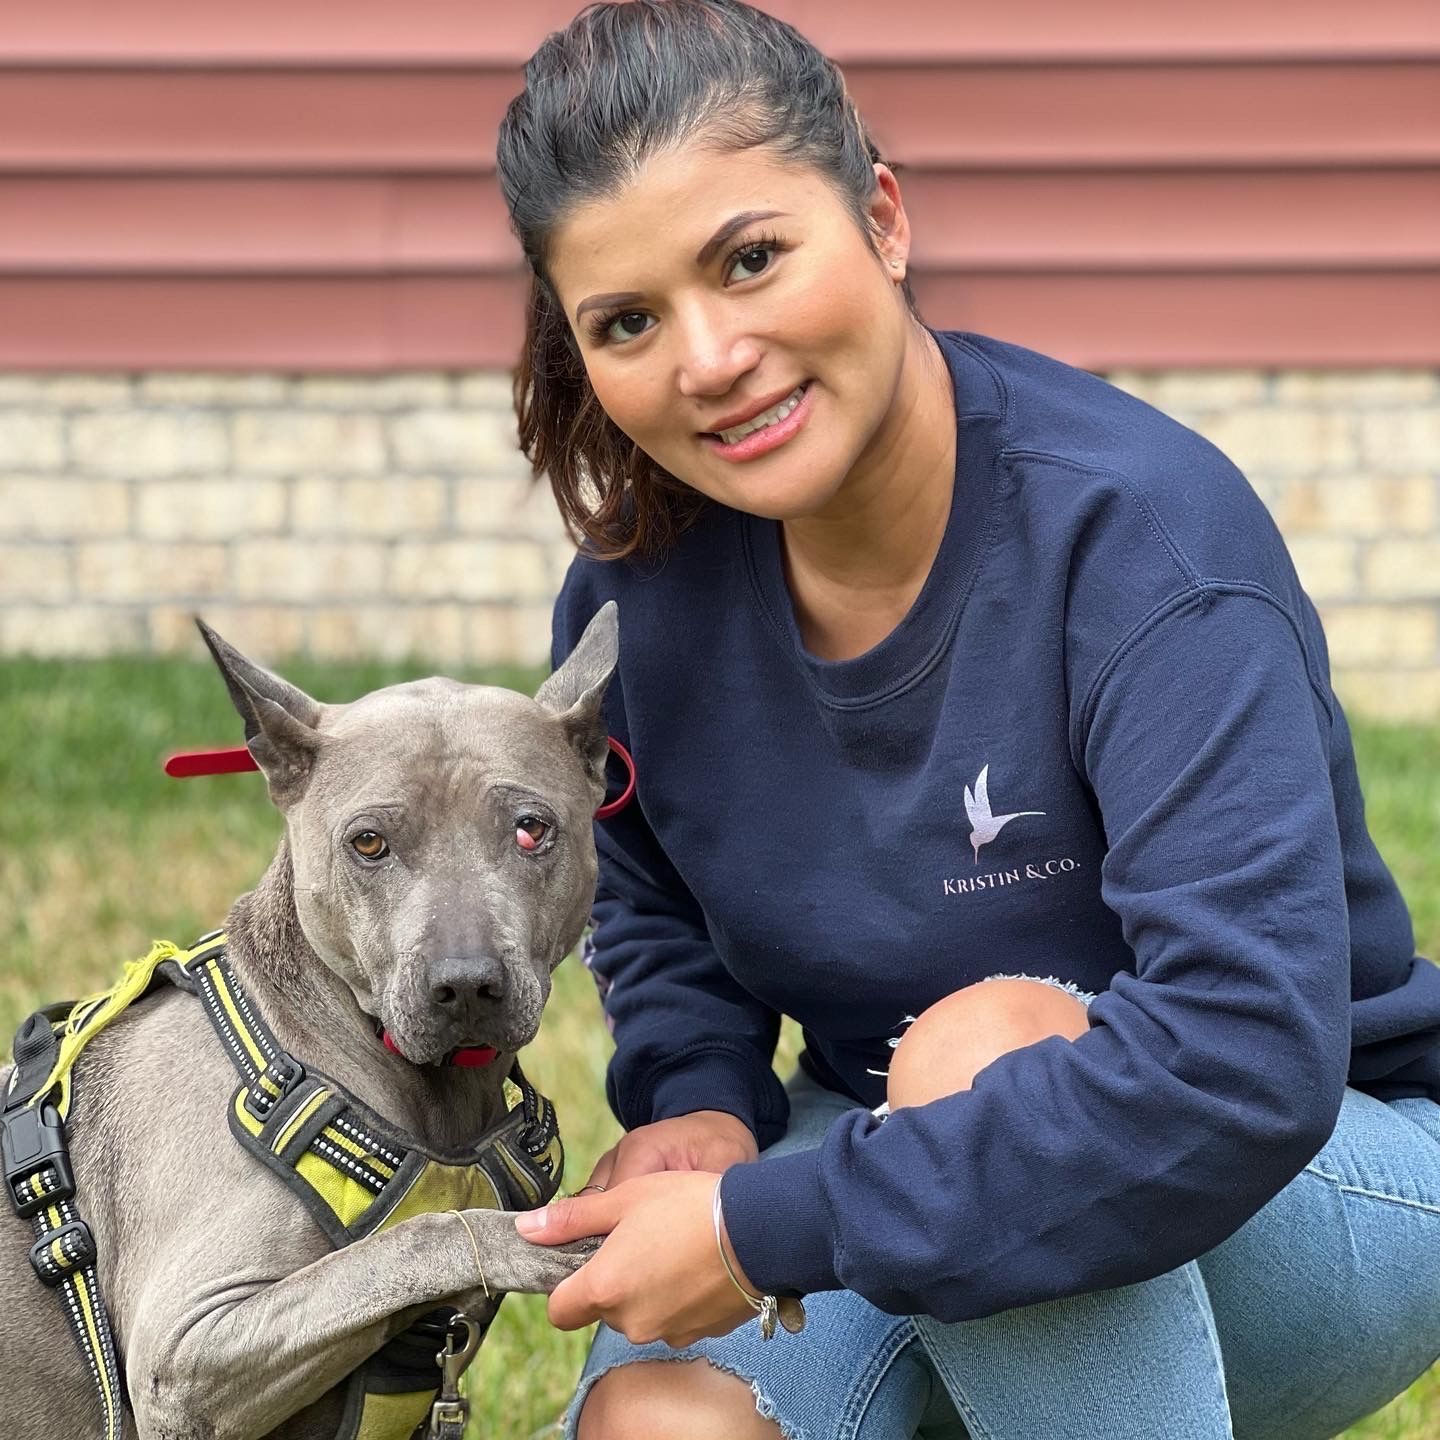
766,431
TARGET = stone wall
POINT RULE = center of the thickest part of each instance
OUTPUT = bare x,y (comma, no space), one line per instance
390,515
339,516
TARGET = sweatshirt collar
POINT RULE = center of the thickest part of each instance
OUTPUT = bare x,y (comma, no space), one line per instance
925,633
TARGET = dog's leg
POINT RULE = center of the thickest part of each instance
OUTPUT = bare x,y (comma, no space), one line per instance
240,1359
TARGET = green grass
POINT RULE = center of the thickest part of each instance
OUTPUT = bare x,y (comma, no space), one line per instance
104,853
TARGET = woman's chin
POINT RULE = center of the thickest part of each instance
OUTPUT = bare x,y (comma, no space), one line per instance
771,496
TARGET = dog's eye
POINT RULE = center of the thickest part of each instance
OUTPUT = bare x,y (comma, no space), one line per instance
371,844
530,832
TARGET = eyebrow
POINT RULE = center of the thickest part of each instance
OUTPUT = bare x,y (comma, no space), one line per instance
707,251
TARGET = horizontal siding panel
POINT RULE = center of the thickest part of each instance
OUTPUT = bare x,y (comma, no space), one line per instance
1099,321
1103,322
937,116
450,32
1140,31
300,323
306,32
138,120
1204,220
205,224
1047,115
1201,220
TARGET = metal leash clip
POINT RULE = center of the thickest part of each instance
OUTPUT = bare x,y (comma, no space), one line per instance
451,1410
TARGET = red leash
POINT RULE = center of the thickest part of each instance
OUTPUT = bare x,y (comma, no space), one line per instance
185,763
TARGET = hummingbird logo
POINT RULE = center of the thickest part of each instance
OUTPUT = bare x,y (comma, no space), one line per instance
977,807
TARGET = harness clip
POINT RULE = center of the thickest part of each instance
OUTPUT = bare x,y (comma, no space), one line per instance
449,1413
57,1253
275,1082
36,1158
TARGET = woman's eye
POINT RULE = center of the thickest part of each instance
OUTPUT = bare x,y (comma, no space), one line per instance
626,329
371,844
631,324
530,832
745,261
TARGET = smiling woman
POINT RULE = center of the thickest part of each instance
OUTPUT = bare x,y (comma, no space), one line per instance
777,238
983,728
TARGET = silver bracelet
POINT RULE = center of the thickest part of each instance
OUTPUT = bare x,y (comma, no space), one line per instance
790,1312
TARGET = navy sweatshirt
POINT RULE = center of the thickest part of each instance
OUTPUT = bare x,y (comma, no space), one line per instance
1113,648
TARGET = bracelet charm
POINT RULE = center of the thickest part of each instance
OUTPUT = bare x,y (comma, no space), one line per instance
791,1313
788,1310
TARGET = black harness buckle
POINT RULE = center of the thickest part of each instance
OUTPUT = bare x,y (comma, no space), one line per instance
275,1082
76,1247
36,1158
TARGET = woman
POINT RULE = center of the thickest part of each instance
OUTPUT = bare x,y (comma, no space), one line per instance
982,726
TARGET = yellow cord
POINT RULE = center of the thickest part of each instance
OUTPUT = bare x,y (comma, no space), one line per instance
475,1248
131,985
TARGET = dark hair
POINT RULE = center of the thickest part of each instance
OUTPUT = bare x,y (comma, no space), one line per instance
622,82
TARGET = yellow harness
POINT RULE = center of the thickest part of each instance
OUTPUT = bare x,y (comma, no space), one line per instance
352,1172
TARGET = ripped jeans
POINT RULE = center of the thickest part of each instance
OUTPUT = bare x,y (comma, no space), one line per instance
1316,1312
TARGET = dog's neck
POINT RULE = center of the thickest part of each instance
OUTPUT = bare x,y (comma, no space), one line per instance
314,1016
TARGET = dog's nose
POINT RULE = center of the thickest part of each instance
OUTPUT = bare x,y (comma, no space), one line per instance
456,979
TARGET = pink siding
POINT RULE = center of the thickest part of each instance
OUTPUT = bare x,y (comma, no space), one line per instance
496,32
1118,183
64,119
384,121
375,322
1138,221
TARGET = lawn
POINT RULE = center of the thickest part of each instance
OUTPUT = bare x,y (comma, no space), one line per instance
103,853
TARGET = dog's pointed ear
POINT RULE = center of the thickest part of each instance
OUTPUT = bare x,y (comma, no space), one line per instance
576,691
280,720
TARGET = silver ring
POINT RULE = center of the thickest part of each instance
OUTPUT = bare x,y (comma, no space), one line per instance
584,1188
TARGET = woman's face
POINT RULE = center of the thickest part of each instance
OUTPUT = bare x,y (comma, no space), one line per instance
690,323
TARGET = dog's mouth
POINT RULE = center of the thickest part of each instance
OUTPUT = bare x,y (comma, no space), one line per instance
463,1056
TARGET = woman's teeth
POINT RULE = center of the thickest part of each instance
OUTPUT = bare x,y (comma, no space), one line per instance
769,417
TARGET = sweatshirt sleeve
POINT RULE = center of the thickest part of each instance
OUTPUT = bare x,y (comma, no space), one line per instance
687,1035
1207,1079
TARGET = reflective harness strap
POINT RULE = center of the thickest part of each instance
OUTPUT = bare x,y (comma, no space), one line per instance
40,1185
356,1176
353,1173
351,1170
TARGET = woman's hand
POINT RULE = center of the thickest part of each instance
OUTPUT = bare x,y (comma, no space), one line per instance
704,1140
658,1275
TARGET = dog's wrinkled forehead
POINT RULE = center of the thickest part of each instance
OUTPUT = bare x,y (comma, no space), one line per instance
429,738
296,740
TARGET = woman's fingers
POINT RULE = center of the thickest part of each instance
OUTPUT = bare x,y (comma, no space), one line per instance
600,1176
571,1305
570,1217
640,1157
657,1275
710,1140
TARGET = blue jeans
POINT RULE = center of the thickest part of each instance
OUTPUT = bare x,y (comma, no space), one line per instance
1316,1312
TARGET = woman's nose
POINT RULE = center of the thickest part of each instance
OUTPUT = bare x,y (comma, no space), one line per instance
714,354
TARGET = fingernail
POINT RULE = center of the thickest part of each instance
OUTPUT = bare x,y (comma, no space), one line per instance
532,1222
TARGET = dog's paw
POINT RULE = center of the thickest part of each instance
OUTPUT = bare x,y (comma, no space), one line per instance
577,1252
510,1262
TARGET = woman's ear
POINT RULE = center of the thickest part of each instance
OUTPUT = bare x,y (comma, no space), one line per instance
888,222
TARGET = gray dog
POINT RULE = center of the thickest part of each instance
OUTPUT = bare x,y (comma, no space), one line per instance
438,862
